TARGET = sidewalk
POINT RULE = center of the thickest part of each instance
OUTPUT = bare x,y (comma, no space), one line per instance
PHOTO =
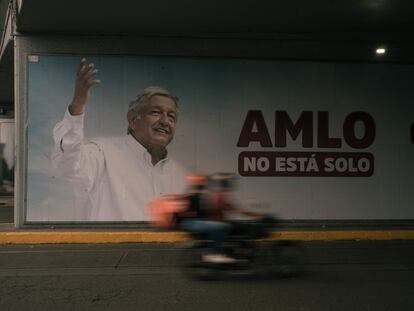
58,234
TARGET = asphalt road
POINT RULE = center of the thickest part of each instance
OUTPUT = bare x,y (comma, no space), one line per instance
342,276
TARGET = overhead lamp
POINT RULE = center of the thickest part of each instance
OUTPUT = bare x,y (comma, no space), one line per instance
380,51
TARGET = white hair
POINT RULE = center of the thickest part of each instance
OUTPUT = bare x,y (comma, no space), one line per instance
147,94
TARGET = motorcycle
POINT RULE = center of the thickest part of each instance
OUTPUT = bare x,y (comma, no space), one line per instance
254,254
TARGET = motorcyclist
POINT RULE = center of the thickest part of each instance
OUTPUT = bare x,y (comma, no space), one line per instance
209,204
198,219
221,184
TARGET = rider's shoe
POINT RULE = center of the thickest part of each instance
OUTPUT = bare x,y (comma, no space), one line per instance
218,258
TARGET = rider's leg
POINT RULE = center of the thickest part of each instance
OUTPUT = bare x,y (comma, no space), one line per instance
215,231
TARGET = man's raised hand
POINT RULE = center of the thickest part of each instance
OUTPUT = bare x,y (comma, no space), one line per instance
84,81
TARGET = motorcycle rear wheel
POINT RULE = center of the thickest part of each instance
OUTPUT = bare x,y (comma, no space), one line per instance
193,265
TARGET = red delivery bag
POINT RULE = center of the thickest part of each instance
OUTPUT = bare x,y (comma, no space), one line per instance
163,210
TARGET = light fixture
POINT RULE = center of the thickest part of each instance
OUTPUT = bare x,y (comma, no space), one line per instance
380,51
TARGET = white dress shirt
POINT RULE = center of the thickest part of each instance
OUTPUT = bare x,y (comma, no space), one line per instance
114,176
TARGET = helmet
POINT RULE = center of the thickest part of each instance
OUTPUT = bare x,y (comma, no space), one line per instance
223,180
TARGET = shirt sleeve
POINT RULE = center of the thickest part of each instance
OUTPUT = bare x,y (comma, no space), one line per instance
73,159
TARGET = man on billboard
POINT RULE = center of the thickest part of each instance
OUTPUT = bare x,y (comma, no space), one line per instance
117,177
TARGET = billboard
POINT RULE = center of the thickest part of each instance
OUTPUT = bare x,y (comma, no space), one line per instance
308,140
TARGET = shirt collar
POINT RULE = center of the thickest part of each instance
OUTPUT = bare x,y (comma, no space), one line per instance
140,150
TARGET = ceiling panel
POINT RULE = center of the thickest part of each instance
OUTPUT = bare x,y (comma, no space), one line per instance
305,17
333,29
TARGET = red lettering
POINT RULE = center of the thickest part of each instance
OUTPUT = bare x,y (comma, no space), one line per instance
324,141
255,130
285,125
349,130
254,117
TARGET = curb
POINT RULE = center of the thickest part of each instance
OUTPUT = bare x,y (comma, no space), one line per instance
117,237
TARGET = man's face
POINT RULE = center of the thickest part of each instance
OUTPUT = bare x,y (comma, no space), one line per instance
154,127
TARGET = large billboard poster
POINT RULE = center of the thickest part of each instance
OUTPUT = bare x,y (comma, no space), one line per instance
309,141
